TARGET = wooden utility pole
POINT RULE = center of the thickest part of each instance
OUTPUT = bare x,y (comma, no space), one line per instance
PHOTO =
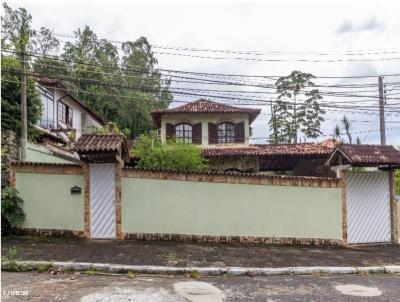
24,117
382,111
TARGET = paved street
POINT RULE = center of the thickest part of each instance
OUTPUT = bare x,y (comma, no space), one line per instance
85,288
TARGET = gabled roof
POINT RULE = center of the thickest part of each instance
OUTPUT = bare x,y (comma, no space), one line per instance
300,150
204,106
99,143
365,155
47,83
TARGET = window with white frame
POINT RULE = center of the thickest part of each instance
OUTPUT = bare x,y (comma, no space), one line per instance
65,114
47,118
226,133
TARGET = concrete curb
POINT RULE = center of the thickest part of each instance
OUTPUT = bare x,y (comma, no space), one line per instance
207,271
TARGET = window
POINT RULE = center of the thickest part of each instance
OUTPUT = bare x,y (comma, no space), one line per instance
65,114
47,117
183,132
226,133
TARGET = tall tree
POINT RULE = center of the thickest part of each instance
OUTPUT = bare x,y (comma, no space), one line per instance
17,36
121,83
135,86
297,109
337,132
346,126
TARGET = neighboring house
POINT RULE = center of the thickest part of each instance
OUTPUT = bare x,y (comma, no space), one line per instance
64,115
224,134
64,119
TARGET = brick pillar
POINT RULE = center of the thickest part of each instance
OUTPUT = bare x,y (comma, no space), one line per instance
393,206
118,219
86,199
344,206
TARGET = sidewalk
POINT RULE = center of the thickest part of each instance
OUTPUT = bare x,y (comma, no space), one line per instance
199,255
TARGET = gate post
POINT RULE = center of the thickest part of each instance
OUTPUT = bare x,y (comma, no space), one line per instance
342,174
86,199
101,149
393,206
118,214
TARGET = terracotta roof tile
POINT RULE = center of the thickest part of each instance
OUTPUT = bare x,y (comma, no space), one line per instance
99,142
365,155
306,149
204,106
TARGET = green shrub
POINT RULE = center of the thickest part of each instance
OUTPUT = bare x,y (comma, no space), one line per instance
176,155
12,213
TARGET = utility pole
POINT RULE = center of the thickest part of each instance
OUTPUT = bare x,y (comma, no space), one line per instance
382,111
24,117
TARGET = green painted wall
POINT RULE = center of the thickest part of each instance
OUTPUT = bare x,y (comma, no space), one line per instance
40,154
48,203
201,208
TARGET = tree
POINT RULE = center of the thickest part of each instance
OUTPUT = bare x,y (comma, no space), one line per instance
135,87
289,116
121,84
18,37
12,213
346,126
176,155
10,99
337,132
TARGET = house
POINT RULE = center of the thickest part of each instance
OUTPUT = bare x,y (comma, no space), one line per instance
206,123
64,119
224,133
64,115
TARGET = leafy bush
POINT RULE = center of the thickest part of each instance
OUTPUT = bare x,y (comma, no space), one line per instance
398,182
12,213
177,155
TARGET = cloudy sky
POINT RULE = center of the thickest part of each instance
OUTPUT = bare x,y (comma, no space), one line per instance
366,32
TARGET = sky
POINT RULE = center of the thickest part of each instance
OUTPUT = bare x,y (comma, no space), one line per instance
333,28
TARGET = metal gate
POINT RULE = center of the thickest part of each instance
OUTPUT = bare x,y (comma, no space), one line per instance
368,207
102,201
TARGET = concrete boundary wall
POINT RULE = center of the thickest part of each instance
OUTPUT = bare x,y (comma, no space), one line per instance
187,206
217,207
48,202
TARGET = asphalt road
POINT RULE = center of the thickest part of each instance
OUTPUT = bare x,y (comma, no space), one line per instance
101,288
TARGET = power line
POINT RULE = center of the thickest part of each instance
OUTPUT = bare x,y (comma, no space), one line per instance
322,92
140,87
188,72
254,52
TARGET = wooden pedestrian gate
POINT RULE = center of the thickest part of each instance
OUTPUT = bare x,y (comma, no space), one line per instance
102,200
368,207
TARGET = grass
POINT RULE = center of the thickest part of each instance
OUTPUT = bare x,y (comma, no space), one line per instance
170,258
131,274
91,272
43,268
194,275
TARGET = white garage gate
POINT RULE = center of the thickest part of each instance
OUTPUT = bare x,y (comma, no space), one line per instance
368,207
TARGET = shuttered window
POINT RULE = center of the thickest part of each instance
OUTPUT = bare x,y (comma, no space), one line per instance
226,133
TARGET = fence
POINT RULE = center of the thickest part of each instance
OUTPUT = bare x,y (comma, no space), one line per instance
204,207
